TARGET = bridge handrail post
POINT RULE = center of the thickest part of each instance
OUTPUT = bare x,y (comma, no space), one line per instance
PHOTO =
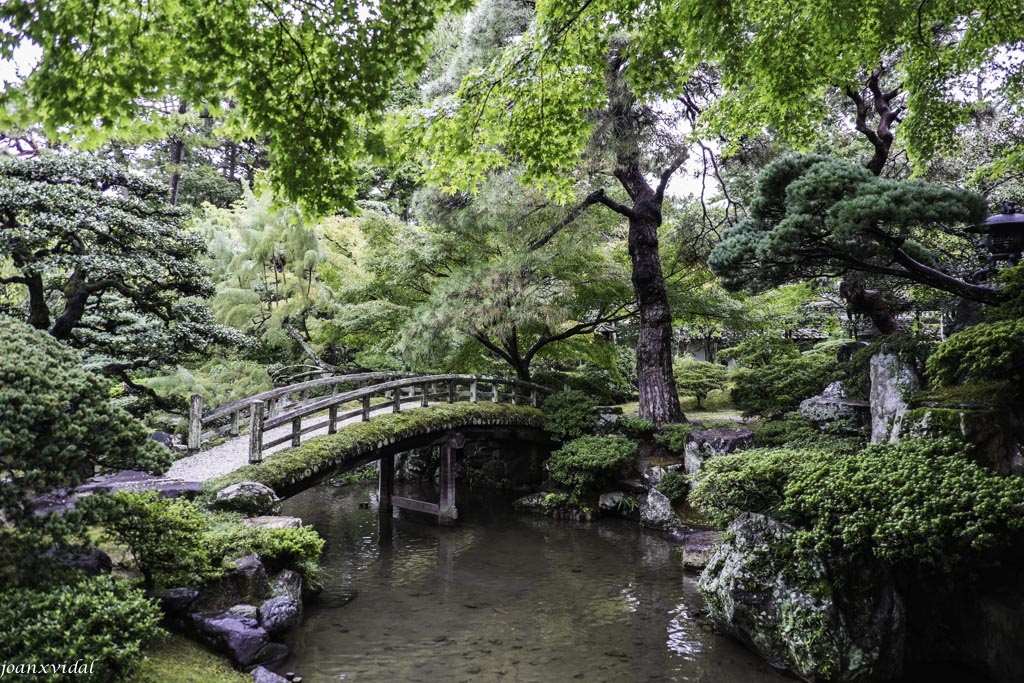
256,432
296,431
195,422
424,396
472,390
494,391
451,391
332,420
534,397
514,386
234,422
366,408
396,405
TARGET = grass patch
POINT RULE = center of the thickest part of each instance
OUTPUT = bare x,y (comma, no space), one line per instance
170,658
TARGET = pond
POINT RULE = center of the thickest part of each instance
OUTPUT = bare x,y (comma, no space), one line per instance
502,596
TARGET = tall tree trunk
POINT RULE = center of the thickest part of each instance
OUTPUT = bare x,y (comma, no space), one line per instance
177,154
659,401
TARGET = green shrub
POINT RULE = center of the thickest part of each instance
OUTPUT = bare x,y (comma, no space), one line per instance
761,350
277,548
983,352
920,499
165,537
674,435
749,481
779,387
795,431
100,622
57,425
634,428
587,464
675,486
698,378
569,415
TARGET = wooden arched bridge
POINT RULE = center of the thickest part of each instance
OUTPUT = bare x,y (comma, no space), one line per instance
339,404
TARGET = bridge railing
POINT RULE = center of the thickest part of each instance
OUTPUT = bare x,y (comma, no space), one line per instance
227,419
387,396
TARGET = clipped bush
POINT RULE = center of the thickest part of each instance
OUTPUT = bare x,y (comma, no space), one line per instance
587,464
569,415
749,481
674,435
778,387
675,486
795,431
165,537
634,428
99,623
919,499
698,378
277,548
983,352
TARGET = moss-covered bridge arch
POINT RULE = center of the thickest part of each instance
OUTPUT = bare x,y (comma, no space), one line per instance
296,469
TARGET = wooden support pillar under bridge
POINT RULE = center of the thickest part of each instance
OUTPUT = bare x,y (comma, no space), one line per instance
444,509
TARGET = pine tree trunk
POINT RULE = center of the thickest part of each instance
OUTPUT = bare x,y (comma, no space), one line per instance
659,401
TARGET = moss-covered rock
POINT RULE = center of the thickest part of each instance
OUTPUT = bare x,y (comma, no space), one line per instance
789,614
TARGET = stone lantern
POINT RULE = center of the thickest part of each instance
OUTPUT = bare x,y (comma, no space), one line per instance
1004,233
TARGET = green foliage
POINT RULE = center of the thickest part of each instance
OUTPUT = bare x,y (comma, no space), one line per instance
104,263
364,473
569,414
634,428
675,486
277,548
174,542
166,537
219,382
764,349
100,622
920,499
794,431
773,389
815,216
307,76
674,435
589,463
749,481
56,425
698,378
980,353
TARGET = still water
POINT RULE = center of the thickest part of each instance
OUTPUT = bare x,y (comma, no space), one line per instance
501,597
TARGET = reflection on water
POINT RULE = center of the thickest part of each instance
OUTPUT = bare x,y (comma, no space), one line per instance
501,597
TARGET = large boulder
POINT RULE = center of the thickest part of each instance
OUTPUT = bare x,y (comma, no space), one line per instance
709,443
832,405
793,618
248,497
263,675
656,511
236,635
892,381
283,611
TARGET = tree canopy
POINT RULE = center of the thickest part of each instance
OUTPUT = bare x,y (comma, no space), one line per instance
815,216
96,258
305,74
